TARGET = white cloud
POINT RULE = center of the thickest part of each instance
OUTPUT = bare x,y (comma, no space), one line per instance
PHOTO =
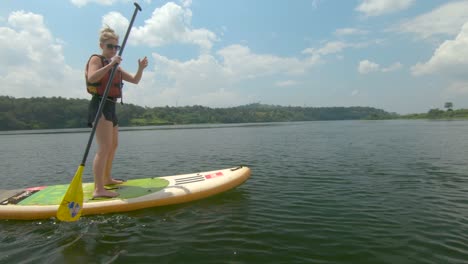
213,80
32,60
81,3
286,83
186,3
316,55
381,7
366,66
171,23
201,81
332,47
446,19
458,88
240,62
315,3
393,67
450,57
116,21
168,24
350,31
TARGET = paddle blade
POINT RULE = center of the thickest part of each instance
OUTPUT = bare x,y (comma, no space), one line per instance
72,203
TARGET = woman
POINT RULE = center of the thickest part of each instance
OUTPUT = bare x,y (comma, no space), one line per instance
97,74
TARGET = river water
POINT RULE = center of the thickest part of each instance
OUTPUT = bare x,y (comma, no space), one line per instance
320,192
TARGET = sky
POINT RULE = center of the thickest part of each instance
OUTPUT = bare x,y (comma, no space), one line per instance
403,56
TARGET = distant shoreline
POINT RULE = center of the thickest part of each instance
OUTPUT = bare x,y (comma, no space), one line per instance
61,113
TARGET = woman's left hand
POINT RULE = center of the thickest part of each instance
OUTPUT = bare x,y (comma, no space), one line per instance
143,63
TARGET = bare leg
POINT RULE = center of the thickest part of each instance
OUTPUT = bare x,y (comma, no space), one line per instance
104,137
107,172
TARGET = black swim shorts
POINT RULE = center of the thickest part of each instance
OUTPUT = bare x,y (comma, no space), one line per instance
108,111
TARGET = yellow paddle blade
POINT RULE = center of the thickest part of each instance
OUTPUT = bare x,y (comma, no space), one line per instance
72,203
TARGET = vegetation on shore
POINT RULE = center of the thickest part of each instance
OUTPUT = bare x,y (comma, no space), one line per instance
57,113
436,113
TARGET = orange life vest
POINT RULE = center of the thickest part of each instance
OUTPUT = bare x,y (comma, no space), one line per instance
98,88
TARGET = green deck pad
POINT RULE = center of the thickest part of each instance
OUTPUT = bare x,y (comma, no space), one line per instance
53,195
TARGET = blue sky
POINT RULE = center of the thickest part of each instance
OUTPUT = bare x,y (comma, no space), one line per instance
403,56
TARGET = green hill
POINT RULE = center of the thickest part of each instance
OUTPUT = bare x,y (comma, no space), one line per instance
57,112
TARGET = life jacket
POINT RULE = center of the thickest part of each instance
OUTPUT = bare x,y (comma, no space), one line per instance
98,88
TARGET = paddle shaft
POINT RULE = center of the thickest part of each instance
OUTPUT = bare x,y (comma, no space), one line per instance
106,91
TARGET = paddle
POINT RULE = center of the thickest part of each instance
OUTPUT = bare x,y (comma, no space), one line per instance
72,203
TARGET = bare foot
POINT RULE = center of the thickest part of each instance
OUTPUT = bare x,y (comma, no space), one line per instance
114,181
105,194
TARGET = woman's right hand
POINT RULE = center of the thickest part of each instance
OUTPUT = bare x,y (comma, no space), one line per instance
115,60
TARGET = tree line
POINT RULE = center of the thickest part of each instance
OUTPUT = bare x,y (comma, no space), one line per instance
58,112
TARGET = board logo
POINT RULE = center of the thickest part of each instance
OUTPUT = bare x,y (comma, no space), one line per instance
74,208
214,175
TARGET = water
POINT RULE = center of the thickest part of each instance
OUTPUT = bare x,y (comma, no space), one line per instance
320,192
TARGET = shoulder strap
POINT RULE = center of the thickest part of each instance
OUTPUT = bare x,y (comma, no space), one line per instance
103,61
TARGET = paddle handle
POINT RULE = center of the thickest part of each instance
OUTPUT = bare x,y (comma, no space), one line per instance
108,85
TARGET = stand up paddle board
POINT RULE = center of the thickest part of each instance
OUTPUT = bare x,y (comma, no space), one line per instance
42,202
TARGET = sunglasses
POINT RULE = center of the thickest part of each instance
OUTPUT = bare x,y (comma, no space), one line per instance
110,46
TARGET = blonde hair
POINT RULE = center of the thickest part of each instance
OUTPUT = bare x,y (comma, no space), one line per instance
108,33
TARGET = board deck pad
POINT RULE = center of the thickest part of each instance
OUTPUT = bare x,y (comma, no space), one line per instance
51,195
